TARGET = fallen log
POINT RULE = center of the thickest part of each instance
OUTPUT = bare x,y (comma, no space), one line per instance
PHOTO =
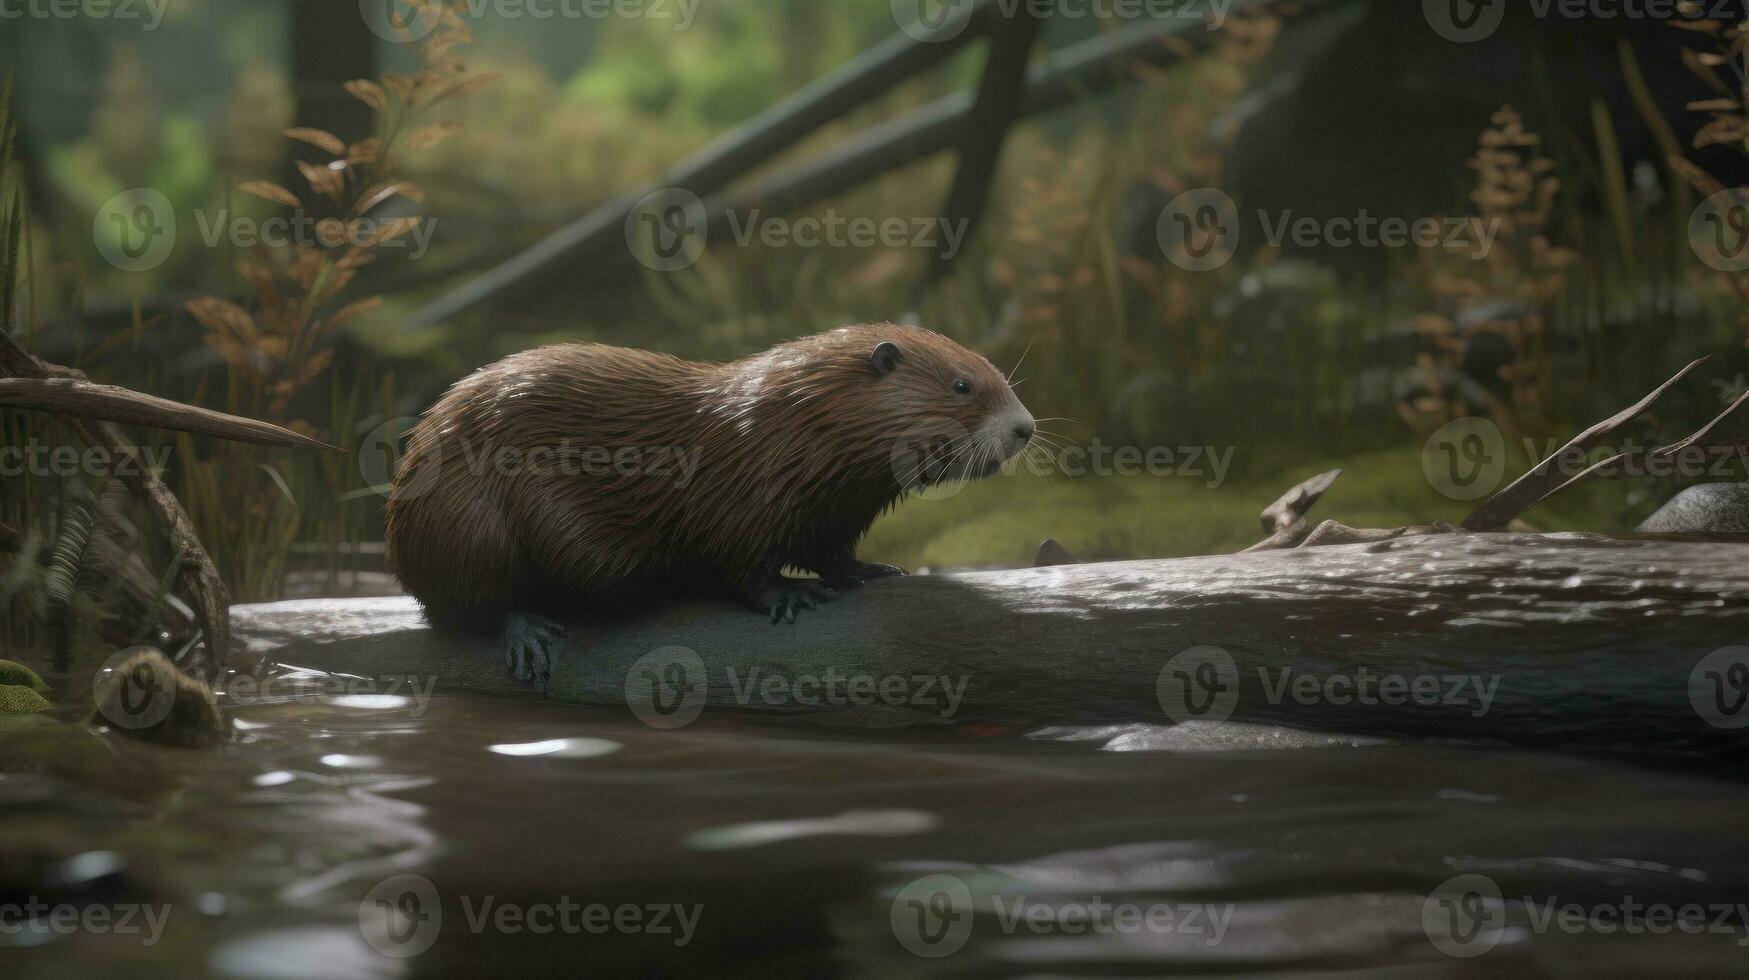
1564,640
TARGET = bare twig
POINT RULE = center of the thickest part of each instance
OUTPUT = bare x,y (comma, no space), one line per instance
1623,465
107,403
1546,478
1285,520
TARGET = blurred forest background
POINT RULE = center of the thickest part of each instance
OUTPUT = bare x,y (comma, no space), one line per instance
1293,359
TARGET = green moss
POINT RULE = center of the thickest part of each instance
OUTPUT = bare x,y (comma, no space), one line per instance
14,673
18,699
1000,522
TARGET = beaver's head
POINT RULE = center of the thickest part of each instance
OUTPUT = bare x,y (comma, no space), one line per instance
937,411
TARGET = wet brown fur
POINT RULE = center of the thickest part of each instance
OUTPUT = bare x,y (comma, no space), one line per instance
794,451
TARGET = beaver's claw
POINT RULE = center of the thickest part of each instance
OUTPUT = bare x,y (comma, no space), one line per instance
531,646
856,573
783,598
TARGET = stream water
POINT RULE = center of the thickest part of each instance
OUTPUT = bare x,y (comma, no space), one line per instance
385,836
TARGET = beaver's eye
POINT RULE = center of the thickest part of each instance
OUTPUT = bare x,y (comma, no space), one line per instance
962,387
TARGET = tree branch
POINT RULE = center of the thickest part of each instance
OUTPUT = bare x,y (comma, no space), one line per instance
106,403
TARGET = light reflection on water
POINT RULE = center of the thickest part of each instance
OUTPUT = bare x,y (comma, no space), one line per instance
797,841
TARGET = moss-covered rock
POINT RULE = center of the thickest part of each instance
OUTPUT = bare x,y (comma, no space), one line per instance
19,699
13,672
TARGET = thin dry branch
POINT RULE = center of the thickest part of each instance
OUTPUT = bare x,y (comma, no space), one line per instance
1546,478
1624,465
106,403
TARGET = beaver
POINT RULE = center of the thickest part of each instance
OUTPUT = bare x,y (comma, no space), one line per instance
583,477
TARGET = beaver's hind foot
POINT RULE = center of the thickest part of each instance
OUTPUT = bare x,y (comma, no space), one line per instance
857,573
531,646
783,598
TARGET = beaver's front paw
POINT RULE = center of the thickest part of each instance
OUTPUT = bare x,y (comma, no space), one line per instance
855,573
782,598
531,646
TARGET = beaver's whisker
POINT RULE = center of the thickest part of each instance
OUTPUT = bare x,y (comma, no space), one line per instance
942,452
1022,360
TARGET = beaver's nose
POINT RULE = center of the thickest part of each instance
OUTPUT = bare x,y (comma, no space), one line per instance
1024,430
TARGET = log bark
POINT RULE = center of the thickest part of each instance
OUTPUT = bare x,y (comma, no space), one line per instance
1584,641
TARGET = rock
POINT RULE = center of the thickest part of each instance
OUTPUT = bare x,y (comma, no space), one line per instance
148,698
16,699
1051,552
13,672
1711,508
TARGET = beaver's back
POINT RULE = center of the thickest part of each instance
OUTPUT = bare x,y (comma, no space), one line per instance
544,471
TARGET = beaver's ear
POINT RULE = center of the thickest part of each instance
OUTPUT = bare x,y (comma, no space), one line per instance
885,358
